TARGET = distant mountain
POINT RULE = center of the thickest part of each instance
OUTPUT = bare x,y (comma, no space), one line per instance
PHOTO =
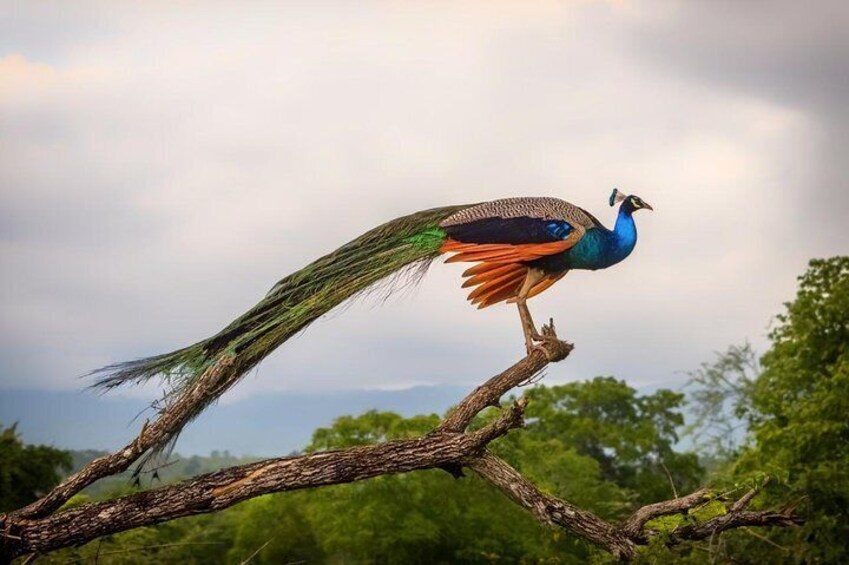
274,423
177,467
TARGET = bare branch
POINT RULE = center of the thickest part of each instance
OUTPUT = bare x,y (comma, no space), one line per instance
550,510
171,418
746,499
492,390
767,518
216,491
39,528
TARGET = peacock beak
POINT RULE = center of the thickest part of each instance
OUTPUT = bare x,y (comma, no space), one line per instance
647,206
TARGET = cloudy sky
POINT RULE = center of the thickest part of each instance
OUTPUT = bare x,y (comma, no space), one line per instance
163,164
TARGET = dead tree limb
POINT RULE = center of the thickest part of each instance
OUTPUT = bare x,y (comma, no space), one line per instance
43,526
173,417
550,510
218,490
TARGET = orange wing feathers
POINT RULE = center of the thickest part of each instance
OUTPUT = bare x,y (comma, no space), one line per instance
502,268
503,252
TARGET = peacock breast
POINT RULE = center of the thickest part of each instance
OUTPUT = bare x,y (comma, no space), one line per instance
590,252
598,249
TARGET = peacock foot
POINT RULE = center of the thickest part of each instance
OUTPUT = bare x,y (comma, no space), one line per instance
537,340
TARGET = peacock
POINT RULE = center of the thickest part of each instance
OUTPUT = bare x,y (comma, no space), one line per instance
519,246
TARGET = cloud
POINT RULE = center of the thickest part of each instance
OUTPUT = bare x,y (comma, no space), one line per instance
161,168
781,52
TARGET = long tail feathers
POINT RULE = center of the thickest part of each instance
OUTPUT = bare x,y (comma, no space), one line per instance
403,247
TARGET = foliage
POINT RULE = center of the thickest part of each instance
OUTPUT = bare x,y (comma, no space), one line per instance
630,437
371,427
795,410
27,471
800,421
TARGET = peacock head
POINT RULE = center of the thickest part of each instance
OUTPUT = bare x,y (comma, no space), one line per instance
630,202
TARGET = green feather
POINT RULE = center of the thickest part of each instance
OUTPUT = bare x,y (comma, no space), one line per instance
430,239
404,246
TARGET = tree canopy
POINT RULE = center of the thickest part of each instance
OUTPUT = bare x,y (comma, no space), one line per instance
794,405
27,471
800,412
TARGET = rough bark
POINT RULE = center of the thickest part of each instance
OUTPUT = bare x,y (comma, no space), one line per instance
489,393
216,491
42,526
550,510
634,525
736,517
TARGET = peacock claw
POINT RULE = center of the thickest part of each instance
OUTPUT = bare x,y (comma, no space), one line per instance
540,342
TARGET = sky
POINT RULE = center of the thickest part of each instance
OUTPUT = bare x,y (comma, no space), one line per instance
162,164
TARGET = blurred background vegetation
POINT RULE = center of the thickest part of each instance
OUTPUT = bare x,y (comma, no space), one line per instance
598,444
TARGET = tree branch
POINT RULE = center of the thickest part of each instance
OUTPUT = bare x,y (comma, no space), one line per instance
172,418
550,510
736,517
489,393
39,528
216,491
633,526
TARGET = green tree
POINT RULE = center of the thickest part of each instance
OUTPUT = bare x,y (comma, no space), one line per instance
796,410
631,437
275,529
800,420
370,427
430,517
27,471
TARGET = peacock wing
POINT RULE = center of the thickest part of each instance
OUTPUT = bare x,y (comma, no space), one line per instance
514,230
503,236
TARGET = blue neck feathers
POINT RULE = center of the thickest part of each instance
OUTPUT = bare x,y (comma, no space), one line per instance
601,247
624,234
615,245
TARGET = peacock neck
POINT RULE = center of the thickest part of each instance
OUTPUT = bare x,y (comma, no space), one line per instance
600,247
624,235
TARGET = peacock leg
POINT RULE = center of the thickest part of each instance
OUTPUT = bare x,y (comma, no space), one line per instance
532,336
527,324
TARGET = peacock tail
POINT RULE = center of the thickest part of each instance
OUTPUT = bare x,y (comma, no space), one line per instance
396,252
